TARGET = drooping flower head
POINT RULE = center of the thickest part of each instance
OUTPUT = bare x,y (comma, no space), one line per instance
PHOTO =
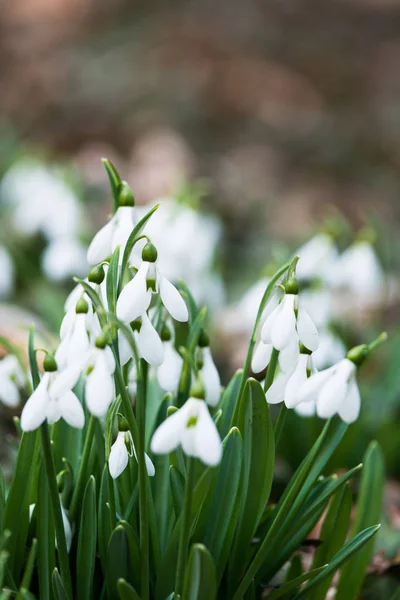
209,372
11,380
122,449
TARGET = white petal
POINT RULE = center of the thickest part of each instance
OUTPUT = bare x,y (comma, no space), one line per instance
9,394
53,412
306,409
350,407
67,323
334,392
208,442
123,228
298,377
311,388
119,457
284,328
269,323
99,390
307,331
211,379
78,342
173,301
100,247
125,351
168,435
289,356
149,466
261,357
67,528
168,374
71,410
275,394
73,298
134,299
35,410
108,357
150,344
66,379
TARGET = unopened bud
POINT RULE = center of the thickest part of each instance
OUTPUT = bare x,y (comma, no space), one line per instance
197,390
101,341
125,196
96,275
292,286
82,307
49,363
165,334
204,340
149,253
122,423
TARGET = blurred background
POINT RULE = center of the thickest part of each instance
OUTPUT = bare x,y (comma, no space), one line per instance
265,124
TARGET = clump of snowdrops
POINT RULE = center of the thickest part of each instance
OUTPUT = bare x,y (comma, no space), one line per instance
138,476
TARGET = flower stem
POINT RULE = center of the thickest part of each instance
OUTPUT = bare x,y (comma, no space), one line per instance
271,369
253,338
56,508
81,479
185,527
280,423
143,507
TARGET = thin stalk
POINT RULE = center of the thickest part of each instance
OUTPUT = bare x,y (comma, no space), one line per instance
280,423
253,339
271,369
185,527
143,489
81,479
56,508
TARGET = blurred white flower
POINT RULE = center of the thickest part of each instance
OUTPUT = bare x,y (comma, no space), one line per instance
317,257
210,378
63,258
358,269
119,455
193,428
334,390
168,374
11,380
330,350
7,273
115,233
99,387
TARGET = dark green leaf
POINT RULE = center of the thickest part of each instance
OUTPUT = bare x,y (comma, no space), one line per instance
117,561
115,181
58,586
126,591
295,583
200,577
177,483
86,555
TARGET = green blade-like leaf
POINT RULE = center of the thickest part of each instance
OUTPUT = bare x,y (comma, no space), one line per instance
32,358
126,591
228,402
112,285
200,576
333,536
177,483
134,555
257,474
369,508
294,583
117,561
45,535
353,546
30,565
86,555
2,498
115,181
104,519
58,586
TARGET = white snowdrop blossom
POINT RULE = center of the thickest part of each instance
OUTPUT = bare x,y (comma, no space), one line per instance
53,399
119,455
316,257
286,385
115,233
168,374
334,390
7,273
330,350
210,378
261,357
288,322
63,258
99,386
358,270
11,380
193,428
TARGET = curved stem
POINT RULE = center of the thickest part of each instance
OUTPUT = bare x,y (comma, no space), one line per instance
81,479
56,508
185,527
271,369
143,505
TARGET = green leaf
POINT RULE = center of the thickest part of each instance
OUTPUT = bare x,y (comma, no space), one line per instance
58,586
104,519
369,507
46,536
86,555
126,591
2,498
339,559
112,285
30,565
228,402
134,554
333,535
115,181
111,414
192,341
136,232
117,561
200,577
257,472
177,483
32,358
226,502
295,583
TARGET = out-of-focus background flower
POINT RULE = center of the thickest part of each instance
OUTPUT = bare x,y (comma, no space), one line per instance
262,124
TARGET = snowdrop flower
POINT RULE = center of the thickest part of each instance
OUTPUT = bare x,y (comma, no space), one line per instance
119,455
193,428
66,523
286,385
316,257
53,399
209,372
74,334
358,269
7,274
63,258
11,380
289,322
169,373
261,357
116,232
334,390
99,386
330,350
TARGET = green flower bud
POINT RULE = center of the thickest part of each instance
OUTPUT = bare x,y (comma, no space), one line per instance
165,334
197,390
122,423
82,307
292,286
149,253
358,354
101,341
49,363
204,340
125,196
96,275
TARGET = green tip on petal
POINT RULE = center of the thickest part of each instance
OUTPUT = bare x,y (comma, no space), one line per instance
49,363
